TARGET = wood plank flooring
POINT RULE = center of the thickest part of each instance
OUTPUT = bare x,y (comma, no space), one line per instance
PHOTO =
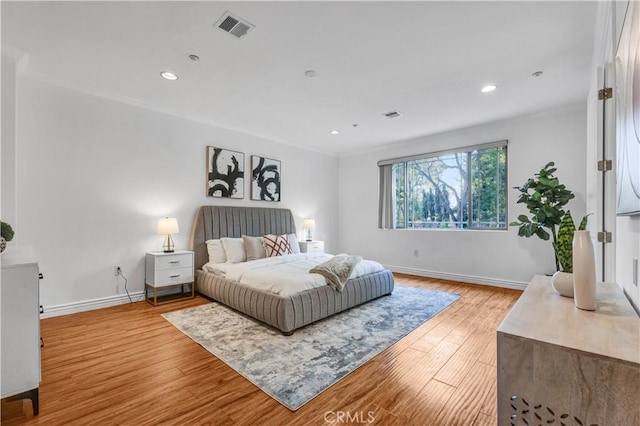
126,365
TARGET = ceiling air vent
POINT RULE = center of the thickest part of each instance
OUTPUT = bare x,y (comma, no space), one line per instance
393,114
234,25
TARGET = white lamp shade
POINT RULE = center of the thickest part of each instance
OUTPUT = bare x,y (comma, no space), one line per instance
309,224
167,226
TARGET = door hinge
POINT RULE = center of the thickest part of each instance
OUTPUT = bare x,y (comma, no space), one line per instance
605,165
605,93
604,237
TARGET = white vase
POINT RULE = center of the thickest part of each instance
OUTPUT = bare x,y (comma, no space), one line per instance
562,283
584,271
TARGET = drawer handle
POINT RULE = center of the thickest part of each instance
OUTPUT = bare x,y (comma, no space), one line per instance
174,261
174,276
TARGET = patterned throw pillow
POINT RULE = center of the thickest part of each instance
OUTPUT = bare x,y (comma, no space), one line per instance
276,245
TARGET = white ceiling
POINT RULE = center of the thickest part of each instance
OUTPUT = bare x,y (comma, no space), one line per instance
426,59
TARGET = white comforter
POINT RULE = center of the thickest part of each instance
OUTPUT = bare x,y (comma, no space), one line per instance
284,275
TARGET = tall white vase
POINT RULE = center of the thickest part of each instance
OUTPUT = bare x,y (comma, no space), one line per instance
584,271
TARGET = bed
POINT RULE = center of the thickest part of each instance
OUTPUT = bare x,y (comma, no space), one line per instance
284,312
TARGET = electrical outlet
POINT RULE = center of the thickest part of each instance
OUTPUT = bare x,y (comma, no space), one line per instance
117,271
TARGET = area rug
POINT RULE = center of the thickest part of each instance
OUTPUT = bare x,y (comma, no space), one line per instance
295,369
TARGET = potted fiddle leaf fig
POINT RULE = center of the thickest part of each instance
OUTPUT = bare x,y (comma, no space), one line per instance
545,198
6,235
562,281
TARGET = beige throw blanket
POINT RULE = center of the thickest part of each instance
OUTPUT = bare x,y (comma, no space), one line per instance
337,270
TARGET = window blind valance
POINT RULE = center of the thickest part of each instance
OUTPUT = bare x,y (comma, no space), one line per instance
443,152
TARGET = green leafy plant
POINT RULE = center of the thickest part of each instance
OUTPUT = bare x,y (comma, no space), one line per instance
545,198
6,230
564,245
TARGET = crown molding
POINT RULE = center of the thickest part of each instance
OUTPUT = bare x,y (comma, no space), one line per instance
19,56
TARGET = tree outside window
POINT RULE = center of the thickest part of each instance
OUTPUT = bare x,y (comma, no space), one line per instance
459,190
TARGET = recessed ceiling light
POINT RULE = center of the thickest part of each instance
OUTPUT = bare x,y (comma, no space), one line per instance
168,75
537,74
334,132
488,88
310,73
194,58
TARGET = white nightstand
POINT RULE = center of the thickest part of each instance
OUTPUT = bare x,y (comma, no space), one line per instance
169,270
311,246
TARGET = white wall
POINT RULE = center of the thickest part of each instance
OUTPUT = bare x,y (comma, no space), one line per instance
94,175
497,257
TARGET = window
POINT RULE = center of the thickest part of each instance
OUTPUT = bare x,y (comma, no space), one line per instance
462,189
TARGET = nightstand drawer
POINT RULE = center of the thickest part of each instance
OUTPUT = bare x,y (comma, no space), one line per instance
181,260
174,276
312,246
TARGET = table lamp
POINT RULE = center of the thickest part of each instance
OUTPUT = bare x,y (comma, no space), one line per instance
309,225
168,226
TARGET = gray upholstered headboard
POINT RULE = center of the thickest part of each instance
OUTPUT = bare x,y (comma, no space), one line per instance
219,221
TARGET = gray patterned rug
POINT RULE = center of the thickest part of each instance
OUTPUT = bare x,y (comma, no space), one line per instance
295,369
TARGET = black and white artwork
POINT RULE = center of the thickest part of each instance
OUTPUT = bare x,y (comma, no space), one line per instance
225,173
265,179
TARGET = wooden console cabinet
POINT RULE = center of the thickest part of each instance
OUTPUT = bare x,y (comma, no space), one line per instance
561,365
20,327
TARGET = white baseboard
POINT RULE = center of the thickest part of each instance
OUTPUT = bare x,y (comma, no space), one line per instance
495,282
105,302
89,305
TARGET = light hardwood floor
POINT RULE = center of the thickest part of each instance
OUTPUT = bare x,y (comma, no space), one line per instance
126,365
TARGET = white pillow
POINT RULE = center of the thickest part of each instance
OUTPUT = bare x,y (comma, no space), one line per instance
234,249
293,243
216,251
276,245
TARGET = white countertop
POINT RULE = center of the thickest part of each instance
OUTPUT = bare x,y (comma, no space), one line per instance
612,330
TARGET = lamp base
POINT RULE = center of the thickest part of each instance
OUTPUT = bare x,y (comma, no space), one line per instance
168,245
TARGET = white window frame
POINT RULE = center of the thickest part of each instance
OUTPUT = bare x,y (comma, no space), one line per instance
387,212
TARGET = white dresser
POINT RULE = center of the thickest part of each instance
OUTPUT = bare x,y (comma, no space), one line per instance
20,338
167,271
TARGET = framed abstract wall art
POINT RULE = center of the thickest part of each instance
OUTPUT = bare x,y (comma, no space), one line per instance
265,179
628,114
225,173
